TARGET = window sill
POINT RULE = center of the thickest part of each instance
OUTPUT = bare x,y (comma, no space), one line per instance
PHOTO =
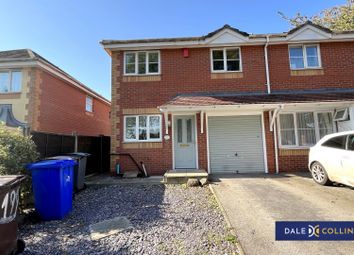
227,75
143,145
295,147
307,72
139,78
10,95
146,141
89,113
296,151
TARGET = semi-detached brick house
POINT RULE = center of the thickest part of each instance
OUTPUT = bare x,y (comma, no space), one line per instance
38,95
230,102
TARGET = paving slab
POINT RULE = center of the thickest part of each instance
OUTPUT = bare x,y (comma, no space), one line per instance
109,227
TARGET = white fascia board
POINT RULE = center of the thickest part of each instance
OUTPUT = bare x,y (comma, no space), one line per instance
348,36
203,44
19,64
218,107
257,107
180,45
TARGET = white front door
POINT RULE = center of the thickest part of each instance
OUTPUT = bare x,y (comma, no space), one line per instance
184,142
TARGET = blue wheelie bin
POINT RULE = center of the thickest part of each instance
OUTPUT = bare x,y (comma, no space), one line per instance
52,182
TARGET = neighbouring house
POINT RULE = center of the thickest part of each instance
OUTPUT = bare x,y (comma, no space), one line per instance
39,96
230,102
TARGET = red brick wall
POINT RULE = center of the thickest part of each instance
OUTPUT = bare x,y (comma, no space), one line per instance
192,74
293,163
182,75
62,109
269,143
156,160
337,62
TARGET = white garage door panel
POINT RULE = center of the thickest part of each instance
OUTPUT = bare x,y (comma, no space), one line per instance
231,135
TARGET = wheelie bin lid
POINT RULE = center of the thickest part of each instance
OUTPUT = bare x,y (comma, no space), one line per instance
79,154
8,181
61,157
54,163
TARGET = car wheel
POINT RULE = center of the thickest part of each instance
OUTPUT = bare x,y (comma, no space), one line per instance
319,174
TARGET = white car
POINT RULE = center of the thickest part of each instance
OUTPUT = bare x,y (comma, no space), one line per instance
332,159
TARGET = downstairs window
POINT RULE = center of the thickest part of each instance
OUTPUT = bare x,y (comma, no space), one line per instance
142,128
304,129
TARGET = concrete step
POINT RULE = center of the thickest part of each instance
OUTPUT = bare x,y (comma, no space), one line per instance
181,176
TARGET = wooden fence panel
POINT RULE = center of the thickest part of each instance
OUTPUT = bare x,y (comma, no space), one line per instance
49,145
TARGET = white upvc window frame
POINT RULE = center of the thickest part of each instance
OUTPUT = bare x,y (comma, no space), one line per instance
9,72
88,104
225,60
317,131
146,62
304,55
136,140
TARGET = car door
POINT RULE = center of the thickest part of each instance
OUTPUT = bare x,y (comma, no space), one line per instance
348,161
332,152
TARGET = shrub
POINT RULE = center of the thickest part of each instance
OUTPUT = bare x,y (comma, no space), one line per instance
16,151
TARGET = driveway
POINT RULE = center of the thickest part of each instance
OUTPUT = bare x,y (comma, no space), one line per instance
254,202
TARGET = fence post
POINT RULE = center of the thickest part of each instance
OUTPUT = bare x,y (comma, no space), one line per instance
101,153
46,145
76,141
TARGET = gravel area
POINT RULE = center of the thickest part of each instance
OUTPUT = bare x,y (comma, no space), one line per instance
166,219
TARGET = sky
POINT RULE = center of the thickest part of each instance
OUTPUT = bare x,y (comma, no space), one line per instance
68,32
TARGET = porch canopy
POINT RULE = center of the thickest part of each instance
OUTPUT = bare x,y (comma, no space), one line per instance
248,103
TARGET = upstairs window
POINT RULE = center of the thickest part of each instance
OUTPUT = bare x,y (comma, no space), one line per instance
226,60
304,57
142,128
142,63
10,81
89,104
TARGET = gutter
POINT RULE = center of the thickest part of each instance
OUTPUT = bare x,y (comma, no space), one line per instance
266,64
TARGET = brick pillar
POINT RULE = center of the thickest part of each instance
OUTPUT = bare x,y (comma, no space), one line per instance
270,143
115,107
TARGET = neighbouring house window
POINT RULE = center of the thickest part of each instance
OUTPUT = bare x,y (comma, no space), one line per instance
142,128
89,104
226,60
304,129
304,56
10,81
142,62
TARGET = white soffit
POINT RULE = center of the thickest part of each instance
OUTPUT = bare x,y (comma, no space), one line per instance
226,36
309,33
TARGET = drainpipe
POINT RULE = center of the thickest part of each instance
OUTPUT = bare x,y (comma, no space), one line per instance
266,63
276,150
273,127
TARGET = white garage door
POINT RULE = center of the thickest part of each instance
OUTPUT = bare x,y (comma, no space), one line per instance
236,144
